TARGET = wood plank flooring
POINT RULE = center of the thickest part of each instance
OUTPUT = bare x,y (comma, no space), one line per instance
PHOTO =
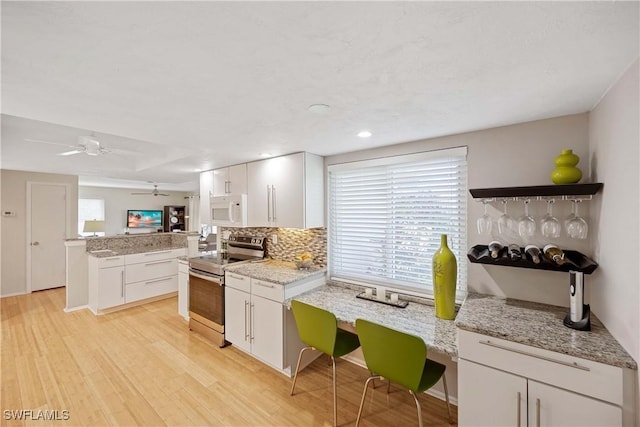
142,367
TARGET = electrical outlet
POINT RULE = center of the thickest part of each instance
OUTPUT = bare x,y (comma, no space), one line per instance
274,239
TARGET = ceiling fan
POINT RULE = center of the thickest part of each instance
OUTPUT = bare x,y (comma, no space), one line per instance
154,193
86,144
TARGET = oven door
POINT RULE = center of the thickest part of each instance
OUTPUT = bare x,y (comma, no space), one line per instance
206,299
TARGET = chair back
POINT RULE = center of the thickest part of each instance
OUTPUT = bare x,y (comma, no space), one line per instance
316,327
395,355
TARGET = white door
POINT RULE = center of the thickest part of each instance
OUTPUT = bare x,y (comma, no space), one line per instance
266,331
236,318
489,397
48,233
551,406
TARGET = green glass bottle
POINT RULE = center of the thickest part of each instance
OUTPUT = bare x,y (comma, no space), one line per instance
445,271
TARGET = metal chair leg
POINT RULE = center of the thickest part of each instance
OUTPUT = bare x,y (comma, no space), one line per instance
335,394
295,376
418,406
446,395
364,394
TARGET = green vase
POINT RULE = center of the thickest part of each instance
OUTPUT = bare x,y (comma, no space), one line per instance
566,171
445,271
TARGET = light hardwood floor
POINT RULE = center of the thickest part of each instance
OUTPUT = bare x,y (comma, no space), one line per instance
142,366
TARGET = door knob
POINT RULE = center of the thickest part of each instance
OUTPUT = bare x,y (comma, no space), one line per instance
35,244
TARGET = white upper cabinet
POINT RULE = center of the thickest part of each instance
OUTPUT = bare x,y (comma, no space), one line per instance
286,191
230,180
206,191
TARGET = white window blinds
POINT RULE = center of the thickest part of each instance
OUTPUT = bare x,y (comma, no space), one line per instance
386,217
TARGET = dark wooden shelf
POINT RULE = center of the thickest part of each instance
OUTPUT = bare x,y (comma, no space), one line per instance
577,261
537,191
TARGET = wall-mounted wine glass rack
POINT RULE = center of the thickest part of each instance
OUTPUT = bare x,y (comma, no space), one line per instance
578,261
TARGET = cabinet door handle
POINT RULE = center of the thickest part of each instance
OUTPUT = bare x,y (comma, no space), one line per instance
264,285
122,283
157,252
164,279
526,353
518,412
236,277
252,317
158,262
246,320
268,203
537,412
273,202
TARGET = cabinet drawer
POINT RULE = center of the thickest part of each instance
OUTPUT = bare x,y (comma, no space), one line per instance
590,378
151,270
112,261
236,281
150,288
149,256
134,292
269,290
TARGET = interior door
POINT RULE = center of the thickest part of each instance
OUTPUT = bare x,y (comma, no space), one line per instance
48,233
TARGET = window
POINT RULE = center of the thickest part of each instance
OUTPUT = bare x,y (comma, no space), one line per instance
386,217
89,209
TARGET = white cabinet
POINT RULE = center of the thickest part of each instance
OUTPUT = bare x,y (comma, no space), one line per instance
230,180
106,282
206,191
257,322
510,384
118,280
286,191
183,288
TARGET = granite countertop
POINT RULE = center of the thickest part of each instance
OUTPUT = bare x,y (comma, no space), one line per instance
106,253
416,319
275,271
540,325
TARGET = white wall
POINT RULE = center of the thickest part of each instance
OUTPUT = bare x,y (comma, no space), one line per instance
515,155
13,230
614,140
118,200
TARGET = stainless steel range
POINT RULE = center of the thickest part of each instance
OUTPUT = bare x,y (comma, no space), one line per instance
206,285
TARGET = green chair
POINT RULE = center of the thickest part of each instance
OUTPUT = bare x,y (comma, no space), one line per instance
318,329
400,358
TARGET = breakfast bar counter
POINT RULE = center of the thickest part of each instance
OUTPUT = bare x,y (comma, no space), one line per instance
281,272
416,319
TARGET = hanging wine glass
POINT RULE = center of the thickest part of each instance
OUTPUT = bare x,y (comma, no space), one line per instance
549,225
577,228
485,223
526,224
505,222
569,217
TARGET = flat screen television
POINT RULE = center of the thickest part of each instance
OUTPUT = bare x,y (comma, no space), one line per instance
144,218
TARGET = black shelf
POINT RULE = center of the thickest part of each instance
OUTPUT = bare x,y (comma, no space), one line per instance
537,191
174,218
577,261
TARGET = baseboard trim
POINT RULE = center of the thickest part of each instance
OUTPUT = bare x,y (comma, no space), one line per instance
13,295
72,309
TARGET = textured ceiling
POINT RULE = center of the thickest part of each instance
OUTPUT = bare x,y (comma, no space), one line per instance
179,86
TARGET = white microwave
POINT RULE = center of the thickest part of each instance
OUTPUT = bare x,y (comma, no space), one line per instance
229,211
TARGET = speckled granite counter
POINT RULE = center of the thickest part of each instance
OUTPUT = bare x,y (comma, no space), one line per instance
416,319
281,272
106,253
540,325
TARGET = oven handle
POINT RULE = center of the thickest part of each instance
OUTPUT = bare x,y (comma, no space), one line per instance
207,278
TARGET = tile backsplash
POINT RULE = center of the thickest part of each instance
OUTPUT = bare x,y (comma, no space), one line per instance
290,242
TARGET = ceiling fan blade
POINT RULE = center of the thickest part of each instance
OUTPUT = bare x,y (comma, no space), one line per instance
141,194
69,153
40,141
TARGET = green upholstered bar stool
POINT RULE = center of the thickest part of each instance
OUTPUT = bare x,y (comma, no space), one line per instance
318,329
400,358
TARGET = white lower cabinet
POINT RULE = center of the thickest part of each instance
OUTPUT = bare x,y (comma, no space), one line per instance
183,289
510,384
257,321
110,287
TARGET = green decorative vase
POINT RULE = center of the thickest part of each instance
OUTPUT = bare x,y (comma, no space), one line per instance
566,171
445,271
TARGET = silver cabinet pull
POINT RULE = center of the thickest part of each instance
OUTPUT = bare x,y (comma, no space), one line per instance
548,359
158,252
164,279
158,262
268,203
264,285
519,415
122,283
273,202
537,412
236,277
253,309
246,320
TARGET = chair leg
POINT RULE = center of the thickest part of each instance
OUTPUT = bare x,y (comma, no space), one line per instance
446,395
335,394
295,375
364,394
418,406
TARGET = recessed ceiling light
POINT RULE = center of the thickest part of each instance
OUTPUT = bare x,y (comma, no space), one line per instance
265,154
364,134
319,108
